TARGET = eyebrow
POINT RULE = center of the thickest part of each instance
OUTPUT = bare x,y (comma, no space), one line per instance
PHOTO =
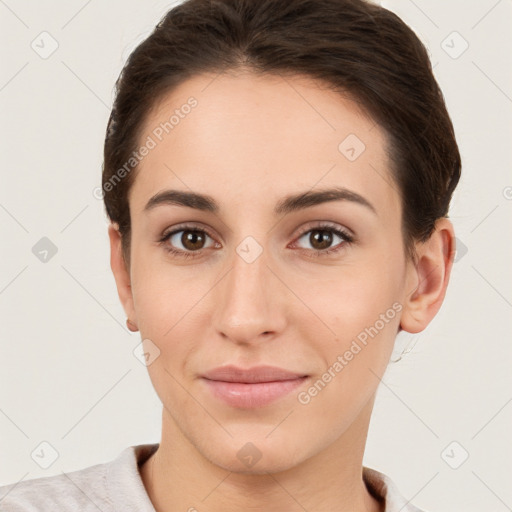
289,204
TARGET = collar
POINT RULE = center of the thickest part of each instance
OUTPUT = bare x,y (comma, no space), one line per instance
125,485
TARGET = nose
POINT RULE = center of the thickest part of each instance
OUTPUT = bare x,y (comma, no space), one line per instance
249,302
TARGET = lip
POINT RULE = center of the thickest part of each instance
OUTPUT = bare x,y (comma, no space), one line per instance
252,375
252,387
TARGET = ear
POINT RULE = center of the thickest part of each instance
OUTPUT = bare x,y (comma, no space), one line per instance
121,274
428,278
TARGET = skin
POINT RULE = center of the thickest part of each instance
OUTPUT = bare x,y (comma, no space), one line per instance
250,142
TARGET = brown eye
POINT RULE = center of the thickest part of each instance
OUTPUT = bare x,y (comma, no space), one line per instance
186,241
192,240
320,239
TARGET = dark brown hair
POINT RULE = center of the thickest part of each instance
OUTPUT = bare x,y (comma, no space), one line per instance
359,49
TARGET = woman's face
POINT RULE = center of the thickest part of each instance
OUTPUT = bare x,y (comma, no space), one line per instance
252,282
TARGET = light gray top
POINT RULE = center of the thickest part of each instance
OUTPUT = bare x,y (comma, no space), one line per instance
116,486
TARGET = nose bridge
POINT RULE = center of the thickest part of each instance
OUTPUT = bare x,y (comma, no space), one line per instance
247,298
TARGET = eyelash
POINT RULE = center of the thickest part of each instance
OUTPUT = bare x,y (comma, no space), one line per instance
347,239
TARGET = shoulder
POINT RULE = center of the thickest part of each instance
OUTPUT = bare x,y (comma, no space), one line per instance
84,489
113,485
385,489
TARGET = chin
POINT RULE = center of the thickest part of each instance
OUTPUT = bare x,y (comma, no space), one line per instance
257,457
273,464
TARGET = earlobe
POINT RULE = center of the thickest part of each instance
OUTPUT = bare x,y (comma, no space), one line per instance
121,274
428,278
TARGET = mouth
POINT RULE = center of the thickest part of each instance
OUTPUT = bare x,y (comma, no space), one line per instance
253,387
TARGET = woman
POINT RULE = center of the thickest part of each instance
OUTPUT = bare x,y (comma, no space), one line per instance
278,177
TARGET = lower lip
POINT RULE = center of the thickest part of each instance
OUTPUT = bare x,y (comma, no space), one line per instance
248,396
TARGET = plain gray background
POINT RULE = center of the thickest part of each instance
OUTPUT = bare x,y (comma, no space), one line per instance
68,374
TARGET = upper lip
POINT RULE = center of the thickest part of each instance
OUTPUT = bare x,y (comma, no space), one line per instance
255,374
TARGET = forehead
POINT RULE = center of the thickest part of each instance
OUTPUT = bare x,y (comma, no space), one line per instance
249,138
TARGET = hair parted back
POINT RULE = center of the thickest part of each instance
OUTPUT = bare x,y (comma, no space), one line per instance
358,48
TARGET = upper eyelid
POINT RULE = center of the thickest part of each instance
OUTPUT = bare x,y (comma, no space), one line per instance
319,225
177,229
326,225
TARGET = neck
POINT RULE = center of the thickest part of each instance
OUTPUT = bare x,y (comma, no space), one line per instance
178,478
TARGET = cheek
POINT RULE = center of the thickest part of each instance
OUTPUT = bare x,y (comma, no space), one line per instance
357,309
350,299
161,294
165,303
171,308
365,321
